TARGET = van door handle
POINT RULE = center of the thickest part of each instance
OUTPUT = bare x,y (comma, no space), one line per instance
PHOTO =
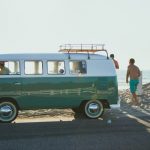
17,83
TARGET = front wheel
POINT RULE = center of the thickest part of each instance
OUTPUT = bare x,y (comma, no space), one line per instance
94,109
8,112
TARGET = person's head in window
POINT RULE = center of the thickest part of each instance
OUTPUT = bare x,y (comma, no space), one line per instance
61,71
3,70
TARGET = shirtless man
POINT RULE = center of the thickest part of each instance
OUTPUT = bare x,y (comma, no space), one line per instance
133,72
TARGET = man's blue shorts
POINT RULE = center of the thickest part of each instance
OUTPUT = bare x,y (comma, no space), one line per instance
133,85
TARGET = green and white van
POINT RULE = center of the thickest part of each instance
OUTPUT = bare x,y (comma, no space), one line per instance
77,78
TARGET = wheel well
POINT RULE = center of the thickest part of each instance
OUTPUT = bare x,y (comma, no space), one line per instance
105,103
9,99
83,103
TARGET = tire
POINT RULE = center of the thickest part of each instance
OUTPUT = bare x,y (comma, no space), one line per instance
94,109
8,112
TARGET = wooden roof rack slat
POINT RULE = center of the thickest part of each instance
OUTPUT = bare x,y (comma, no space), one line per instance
82,48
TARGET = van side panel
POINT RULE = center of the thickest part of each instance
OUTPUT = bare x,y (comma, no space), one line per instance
10,87
65,92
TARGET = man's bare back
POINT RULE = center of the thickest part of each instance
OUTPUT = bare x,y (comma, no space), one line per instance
133,71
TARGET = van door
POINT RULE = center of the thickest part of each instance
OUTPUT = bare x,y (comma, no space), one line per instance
32,84
10,79
10,87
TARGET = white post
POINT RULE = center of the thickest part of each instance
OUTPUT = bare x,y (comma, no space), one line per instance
139,87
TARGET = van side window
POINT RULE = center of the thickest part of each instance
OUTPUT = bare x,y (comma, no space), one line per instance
56,67
33,67
78,67
9,68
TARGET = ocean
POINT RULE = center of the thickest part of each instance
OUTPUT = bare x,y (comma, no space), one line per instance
121,75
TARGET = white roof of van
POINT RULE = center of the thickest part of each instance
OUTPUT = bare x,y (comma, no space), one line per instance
52,56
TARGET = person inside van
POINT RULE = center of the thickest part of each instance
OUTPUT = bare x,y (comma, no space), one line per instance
61,71
3,70
115,61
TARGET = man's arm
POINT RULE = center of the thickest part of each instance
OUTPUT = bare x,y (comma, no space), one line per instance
116,64
127,75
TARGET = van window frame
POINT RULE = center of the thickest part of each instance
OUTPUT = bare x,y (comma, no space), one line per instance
77,73
16,60
55,74
34,74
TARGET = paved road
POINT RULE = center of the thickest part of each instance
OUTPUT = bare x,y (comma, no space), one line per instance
129,130
125,133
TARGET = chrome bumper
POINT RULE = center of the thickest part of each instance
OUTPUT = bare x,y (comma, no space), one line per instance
116,106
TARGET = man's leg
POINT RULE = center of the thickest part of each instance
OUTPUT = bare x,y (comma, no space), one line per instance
135,100
133,87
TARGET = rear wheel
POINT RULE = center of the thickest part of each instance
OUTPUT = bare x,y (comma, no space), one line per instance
94,109
8,111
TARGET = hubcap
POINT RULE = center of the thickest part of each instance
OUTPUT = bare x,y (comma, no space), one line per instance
6,111
93,108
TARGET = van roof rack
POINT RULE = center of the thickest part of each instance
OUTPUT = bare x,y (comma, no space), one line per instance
82,48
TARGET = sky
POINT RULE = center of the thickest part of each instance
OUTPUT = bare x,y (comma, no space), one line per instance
41,26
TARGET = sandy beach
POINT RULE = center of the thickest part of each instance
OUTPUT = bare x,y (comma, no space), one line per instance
50,115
